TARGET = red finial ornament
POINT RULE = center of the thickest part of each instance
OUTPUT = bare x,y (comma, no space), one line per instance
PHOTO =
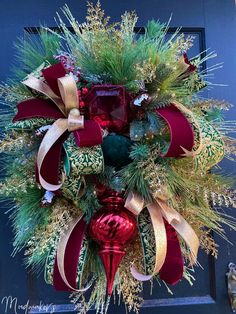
112,227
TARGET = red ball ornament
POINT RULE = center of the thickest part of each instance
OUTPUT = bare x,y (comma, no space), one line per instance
112,227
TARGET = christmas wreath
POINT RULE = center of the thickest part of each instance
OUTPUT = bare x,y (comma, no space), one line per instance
107,148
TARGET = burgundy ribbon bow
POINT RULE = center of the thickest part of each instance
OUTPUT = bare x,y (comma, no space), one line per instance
54,108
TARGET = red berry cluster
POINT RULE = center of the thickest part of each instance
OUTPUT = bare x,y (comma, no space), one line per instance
82,93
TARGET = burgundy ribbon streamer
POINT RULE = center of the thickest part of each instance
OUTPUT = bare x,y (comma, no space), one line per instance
72,254
37,108
173,267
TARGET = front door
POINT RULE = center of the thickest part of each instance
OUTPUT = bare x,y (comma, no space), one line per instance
22,291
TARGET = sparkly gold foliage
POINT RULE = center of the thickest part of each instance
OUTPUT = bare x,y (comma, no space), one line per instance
127,286
208,243
14,142
47,236
12,93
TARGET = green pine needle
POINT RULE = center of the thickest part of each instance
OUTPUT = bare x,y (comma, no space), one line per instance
32,51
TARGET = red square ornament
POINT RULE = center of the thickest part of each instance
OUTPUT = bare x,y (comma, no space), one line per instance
108,106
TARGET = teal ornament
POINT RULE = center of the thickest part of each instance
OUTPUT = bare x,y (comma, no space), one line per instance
116,150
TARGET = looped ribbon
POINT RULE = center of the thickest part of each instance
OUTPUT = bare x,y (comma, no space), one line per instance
68,255
195,122
177,117
61,91
181,120
191,136
159,212
178,125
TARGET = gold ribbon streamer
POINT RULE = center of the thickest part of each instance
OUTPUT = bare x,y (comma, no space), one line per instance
160,241
158,211
52,135
183,228
61,253
68,104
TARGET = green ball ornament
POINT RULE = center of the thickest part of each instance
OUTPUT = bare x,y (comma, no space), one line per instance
116,150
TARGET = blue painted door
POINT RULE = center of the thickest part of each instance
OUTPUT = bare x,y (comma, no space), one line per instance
213,23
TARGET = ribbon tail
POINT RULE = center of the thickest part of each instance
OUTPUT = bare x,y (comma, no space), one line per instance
37,108
58,128
68,253
160,241
173,267
53,158
183,229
